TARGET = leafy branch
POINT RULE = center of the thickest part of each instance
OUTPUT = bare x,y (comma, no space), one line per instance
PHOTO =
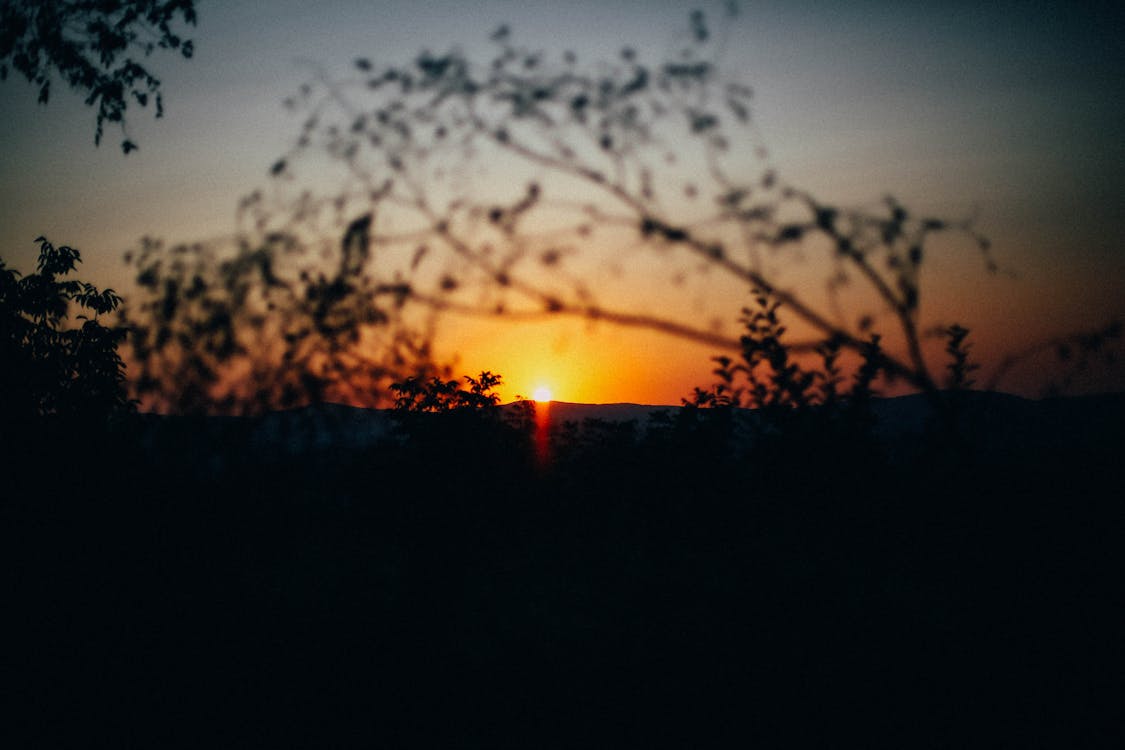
96,48
618,158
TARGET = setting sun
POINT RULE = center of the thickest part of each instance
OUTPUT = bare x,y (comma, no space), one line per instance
542,394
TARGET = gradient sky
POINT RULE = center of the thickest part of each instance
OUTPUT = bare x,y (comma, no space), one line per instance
1010,112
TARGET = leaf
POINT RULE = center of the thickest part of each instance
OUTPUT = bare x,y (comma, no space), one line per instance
699,26
738,109
790,233
702,121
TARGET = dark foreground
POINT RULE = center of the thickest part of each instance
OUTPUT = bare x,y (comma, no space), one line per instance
449,590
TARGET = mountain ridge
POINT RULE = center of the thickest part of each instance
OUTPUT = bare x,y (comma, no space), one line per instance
994,421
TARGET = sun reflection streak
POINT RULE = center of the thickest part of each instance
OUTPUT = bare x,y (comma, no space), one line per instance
542,429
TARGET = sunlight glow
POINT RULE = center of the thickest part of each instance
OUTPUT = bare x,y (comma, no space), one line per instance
542,394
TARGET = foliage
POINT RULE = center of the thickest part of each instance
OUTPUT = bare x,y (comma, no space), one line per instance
96,48
434,394
651,156
264,327
802,404
460,429
958,350
53,366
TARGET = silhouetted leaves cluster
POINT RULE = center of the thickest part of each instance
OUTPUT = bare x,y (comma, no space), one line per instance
808,407
419,393
262,326
58,360
96,48
630,151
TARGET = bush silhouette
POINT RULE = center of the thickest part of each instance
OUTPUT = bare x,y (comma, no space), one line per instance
417,394
57,367
265,326
94,47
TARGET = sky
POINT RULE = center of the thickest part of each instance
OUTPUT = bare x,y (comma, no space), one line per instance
1007,112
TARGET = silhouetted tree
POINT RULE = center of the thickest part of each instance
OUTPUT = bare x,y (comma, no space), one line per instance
54,366
266,327
799,409
96,47
418,393
960,368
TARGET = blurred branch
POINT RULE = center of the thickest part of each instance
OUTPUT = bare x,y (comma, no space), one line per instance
95,47
1073,350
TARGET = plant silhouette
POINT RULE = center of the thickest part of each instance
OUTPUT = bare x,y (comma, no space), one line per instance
266,327
57,367
418,394
596,141
93,47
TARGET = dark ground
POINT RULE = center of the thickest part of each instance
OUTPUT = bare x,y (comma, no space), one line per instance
447,591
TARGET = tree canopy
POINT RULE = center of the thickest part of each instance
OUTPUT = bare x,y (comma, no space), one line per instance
267,326
55,366
96,47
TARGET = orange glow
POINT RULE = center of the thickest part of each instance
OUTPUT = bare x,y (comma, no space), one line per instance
543,432
542,395
577,362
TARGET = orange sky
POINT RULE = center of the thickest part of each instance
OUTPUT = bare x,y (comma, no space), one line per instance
1006,113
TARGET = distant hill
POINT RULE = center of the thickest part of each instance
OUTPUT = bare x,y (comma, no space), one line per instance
323,546
995,423
563,411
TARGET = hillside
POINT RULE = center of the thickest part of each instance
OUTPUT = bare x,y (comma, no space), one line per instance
907,590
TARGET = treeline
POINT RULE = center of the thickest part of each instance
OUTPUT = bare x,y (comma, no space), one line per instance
767,563
442,585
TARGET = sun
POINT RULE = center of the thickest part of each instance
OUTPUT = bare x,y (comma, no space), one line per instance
542,394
